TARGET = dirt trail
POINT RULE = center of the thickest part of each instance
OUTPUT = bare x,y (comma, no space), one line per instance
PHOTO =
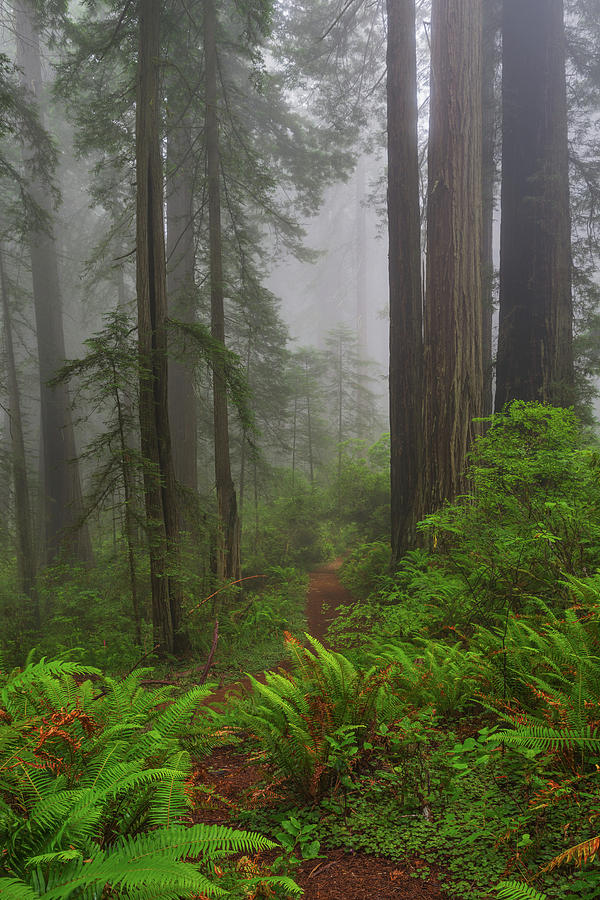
339,875
325,594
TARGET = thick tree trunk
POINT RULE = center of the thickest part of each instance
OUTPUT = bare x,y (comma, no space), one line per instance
159,479
26,563
228,536
490,28
65,529
406,343
181,291
453,320
535,353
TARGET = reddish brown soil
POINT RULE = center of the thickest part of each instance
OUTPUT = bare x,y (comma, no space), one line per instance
356,876
235,778
325,594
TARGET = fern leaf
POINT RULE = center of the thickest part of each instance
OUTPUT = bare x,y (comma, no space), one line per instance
578,855
517,890
15,889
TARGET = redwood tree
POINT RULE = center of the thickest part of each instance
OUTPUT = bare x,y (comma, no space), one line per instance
26,562
159,478
63,508
535,354
228,523
406,349
453,317
181,288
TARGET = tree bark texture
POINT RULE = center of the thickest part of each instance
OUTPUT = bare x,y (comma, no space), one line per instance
26,561
64,528
535,354
159,479
453,320
406,316
228,525
490,28
181,291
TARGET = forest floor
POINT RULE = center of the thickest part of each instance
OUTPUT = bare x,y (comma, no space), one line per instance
238,781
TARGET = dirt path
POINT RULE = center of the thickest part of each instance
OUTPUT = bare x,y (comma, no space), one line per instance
325,594
339,875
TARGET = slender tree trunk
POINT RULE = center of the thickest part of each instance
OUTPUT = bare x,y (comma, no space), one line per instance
243,448
181,291
453,321
65,529
360,253
159,479
309,429
340,412
535,348
128,492
488,169
228,538
294,438
26,562
406,317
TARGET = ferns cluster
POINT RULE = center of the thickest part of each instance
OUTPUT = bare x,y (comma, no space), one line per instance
433,673
95,790
318,722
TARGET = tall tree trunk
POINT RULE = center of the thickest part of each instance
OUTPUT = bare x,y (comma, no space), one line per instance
535,352
65,529
159,479
361,262
490,28
309,427
26,562
128,498
453,321
181,291
228,536
404,225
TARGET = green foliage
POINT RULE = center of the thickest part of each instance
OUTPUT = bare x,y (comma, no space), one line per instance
532,517
364,571
361,488
434,673
516,890
298,840
285,530
317,725
251,625
95,789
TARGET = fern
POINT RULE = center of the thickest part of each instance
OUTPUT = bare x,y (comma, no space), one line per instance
304,719
516,890
541,737
578,855
93,791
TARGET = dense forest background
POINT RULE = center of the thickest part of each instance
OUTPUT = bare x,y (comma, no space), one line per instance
284,282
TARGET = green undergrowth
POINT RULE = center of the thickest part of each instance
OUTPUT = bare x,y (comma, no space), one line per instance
97,792
251,626
482,754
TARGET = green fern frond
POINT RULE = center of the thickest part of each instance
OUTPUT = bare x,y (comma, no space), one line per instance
15,889
517,890
541,737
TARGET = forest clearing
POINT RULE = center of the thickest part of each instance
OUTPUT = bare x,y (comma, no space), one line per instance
299,453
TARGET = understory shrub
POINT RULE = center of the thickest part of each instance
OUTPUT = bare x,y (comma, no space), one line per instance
533,515
531,522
